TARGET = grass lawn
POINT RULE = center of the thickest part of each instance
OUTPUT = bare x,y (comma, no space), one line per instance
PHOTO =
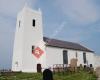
82,75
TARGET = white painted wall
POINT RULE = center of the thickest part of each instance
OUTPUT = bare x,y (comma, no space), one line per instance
18,44
26,36
55,56
90,58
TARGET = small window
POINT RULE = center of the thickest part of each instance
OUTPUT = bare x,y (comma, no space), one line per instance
33,23
84,57
65,57
32,48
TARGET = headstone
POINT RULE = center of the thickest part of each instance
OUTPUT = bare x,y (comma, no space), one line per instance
81,67
91,65
47,74
97,72
73,64
85,66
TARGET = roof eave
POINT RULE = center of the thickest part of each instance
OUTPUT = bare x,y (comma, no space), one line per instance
70,48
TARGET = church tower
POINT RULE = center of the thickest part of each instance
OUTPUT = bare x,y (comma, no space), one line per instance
29,48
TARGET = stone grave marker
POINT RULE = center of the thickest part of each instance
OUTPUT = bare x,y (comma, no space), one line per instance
47,74
73,64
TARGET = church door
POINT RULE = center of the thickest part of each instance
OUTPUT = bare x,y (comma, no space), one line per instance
39,68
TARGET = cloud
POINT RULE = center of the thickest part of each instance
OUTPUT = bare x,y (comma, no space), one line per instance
12,7
82,17
79,11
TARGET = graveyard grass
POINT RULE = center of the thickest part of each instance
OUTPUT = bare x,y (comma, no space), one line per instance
82,75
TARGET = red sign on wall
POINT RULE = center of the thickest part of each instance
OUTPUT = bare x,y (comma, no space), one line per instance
37,52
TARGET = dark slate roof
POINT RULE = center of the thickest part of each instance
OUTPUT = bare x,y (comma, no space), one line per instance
65,44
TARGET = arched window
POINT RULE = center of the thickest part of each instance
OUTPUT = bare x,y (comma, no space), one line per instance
33,23
65,57
84,58
32,48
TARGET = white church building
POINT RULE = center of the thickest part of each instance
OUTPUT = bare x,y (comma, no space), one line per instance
32,49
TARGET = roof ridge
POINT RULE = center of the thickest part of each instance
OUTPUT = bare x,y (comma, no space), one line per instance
65,44
61,40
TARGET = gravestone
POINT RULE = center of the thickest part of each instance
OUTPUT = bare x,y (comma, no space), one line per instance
91,65
97,72
80,67
47,74
73,64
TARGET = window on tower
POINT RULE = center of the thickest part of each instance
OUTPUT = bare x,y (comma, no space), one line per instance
33,23
32,49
